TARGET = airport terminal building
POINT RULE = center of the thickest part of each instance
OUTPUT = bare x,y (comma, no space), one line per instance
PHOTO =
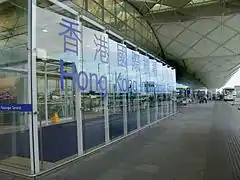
75,77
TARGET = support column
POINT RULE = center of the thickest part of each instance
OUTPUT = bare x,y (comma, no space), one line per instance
78,103
78,114
32,88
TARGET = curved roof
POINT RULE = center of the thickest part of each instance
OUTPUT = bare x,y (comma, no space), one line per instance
202,36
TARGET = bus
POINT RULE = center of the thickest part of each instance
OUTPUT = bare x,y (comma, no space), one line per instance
228,94
237,97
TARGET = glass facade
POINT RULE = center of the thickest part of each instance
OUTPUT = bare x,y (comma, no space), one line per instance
67,89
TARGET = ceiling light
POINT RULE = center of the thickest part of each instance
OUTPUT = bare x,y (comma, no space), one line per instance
44,30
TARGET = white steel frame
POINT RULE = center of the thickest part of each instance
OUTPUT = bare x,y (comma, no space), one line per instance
32,88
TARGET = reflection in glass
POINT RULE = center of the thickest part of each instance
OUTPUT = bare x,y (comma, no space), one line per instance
14,132
57,130
93,120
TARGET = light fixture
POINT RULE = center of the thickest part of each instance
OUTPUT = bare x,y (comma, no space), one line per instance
45,29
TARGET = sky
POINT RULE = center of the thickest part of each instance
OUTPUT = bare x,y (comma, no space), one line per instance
235,80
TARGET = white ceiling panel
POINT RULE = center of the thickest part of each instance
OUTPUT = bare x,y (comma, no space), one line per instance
221,18
189,61
203,26
205,47
2,43
221,34
164,40
170,30
191,54
221,51
185,23
198,63
234,44
234,22
213,43
209,68
188,38
176,49
234,62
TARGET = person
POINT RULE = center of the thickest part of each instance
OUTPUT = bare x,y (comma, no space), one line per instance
205,99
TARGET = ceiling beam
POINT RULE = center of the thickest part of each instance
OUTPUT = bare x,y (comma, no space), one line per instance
161,54
216,8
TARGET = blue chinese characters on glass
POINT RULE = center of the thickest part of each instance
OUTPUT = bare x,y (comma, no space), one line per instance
154,68
135,61
102,49
71,36
122,55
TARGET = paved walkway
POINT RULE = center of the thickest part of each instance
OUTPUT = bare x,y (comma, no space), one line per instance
199,143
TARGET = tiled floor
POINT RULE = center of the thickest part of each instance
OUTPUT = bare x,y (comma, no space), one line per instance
199,143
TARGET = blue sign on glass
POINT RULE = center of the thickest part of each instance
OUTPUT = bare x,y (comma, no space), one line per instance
16,107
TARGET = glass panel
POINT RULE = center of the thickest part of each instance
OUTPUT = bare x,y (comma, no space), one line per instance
116,114
121,13
116,98
93,120
95,82
138,27
151,36
110,5
144,41
159,7
95,9
144,100
152,102
165,96
151,89
130,21
138,38
41,100
130,32
14,131
80,3
109,18
131,10
121,26
56,95
132,99
144,23
144,33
